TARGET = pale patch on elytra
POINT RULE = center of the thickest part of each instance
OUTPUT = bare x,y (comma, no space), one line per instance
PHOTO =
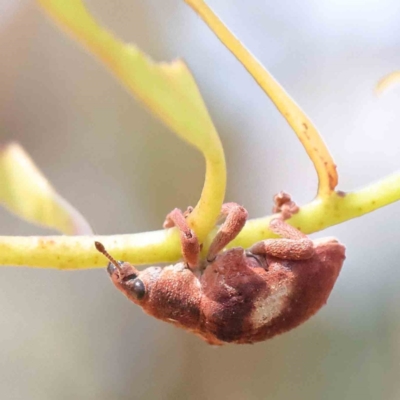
269,307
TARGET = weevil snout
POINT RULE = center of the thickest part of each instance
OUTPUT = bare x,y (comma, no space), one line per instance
118,270
111,268
122,271
133,283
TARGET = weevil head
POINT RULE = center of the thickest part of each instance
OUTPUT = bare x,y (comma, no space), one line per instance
135,284
171,293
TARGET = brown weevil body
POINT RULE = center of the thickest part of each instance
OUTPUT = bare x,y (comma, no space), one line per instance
236,296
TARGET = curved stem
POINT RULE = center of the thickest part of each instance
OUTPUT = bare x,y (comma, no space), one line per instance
204,216
297,119
167,89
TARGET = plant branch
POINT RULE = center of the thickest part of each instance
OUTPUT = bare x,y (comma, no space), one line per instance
327,211
297,119
172,95
78,252
168,90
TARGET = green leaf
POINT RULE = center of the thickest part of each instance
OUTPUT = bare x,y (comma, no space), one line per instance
167,89
25,192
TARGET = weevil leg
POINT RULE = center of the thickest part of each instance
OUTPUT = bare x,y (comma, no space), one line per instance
168,223
189,242
294,244
236,217
284,205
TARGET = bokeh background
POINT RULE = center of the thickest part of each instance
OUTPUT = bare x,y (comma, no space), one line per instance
71,335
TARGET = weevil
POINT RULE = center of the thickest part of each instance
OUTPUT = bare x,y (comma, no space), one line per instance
236,295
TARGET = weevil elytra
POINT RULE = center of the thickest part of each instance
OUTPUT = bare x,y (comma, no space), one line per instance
236,295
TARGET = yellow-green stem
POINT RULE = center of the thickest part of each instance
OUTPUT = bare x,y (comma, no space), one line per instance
328,211
297,119
78,252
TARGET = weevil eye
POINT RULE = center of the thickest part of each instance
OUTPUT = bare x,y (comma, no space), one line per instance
111,267
138,289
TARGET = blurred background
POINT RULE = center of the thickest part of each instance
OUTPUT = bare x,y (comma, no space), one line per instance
71,335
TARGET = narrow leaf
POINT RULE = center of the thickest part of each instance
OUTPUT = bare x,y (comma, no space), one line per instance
26,192
167,89
294,115
387,82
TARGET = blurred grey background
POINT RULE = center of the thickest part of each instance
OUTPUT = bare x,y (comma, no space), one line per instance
71,335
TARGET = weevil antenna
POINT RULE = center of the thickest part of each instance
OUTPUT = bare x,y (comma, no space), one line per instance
103,251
